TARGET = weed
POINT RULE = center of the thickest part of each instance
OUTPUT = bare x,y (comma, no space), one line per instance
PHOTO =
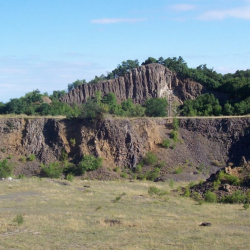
166,143
70,177
116,169
124,175
72,141
191,184
175,124
171,183
186,192
63,156
23,159
3,150
138,168
118,197
9,157
161,164
246,206
19,219
98,208
216,184
21,176
156,191
179,170
32,157
174,135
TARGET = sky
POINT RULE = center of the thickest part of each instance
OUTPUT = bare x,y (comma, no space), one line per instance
47,44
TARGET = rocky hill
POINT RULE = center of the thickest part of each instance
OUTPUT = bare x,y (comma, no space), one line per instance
203,145
152,80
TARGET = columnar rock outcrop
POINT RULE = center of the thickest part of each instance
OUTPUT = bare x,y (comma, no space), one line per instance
149,81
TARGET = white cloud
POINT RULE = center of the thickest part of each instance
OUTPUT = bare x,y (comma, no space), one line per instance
117,20
241,13
182,7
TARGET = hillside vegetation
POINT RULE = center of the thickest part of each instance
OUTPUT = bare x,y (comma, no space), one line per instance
236,85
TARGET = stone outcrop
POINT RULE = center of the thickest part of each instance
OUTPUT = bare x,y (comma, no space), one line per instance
123,142
149,81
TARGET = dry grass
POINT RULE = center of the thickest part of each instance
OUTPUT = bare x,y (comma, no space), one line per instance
71,216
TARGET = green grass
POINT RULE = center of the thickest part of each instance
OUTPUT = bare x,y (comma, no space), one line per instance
58,216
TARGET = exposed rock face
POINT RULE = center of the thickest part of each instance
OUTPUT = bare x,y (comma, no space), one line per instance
152,80
123,142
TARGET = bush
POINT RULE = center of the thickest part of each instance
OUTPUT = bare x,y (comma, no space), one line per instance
124,175
138,168
174,135
175,124
186,192
70,177
210,197
152,175
150,158
21,176
236,197
231,179
166,143
19,219
246,206
5,169
178,170
156,107
89,163
32,157
23,159
72,141
63,156
53,170
116,169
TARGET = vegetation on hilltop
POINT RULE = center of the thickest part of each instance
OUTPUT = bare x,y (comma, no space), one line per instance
236,85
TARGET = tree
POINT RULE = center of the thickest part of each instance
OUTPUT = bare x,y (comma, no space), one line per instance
149,60
156,107
75,84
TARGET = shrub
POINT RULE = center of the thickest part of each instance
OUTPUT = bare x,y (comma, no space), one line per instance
70,177
161,164
23,159
166,143
246,206
123,175
210,197
5,169
63,156
174,135
19,219
32,157
236,197
178,170
186,192
3,150
175,124
231,179
150,158
171,183
21,176
89,163
116,169
138,168
216,184
152,175
53,170
72,141
10,157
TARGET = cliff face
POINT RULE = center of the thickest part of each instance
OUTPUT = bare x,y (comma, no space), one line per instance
123,142
152,80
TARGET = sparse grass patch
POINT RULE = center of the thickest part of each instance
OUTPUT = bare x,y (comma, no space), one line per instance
156,191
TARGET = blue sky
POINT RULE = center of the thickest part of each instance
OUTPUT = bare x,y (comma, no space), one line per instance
46,44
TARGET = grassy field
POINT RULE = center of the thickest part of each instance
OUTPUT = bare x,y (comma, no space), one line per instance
114,215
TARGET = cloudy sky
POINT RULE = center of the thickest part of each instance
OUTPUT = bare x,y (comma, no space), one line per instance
49,43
